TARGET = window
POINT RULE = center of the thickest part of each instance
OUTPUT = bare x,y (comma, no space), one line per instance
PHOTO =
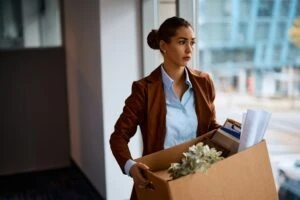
253,65
250,56
281,30
232,55
285,8
244,9
262,31
243,32
30,24
265,8
215,32
215,9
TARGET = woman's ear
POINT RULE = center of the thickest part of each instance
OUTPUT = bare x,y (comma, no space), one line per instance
162,46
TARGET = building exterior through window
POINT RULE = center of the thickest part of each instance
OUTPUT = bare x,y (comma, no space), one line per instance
245,44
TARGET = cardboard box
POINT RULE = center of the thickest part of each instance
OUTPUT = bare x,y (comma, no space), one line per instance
246,175
226,140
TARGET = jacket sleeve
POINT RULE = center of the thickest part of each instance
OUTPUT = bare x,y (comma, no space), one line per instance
127,123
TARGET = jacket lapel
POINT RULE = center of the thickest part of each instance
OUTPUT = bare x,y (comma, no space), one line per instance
156,108
200,102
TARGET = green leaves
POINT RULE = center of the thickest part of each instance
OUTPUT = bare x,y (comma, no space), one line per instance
198,158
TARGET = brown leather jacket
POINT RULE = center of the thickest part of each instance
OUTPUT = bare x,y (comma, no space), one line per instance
146,107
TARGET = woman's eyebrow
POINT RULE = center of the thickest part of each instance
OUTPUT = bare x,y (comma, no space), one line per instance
184,38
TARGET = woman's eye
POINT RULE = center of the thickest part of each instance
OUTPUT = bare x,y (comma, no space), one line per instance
182,42
192,43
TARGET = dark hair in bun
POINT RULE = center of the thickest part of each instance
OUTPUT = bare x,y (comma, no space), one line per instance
152,39
166,30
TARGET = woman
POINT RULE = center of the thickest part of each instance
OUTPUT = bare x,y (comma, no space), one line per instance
171,105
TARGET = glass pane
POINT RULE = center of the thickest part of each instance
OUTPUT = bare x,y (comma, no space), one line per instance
245,13
234,55
276,55
298,8
262,31
281,31
28,24
294,56
285,6
245,5
265,8
10,24
215,8
243,32
215,31
254,64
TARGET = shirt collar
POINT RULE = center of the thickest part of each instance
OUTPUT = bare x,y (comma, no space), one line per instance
168,81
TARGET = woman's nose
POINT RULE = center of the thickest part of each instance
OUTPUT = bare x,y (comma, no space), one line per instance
189,48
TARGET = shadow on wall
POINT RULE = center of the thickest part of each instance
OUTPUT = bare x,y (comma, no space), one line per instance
90,139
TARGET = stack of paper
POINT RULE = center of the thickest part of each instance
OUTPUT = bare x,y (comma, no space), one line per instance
235,137
254,126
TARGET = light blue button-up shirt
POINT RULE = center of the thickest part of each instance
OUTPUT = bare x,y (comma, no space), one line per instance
181,118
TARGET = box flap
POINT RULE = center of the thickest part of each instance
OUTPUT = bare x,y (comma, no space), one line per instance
161,160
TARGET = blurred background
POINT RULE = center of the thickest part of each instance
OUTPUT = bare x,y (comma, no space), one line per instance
62,66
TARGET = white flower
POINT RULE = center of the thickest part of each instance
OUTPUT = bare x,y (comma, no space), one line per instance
198,158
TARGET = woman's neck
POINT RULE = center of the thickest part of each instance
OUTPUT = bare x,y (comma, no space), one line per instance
175,72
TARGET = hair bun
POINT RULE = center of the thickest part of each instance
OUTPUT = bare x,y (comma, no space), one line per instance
152,39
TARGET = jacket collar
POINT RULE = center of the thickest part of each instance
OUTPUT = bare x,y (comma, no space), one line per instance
157,76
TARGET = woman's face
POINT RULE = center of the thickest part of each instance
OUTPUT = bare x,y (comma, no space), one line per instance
180,49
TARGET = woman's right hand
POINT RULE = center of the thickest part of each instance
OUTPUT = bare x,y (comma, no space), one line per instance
137,175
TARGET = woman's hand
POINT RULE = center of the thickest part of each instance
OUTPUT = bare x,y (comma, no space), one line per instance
137,175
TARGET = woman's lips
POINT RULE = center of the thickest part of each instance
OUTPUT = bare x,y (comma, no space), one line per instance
187,58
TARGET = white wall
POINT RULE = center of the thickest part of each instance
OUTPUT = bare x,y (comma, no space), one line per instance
103,49
167,8
121,59
82,38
